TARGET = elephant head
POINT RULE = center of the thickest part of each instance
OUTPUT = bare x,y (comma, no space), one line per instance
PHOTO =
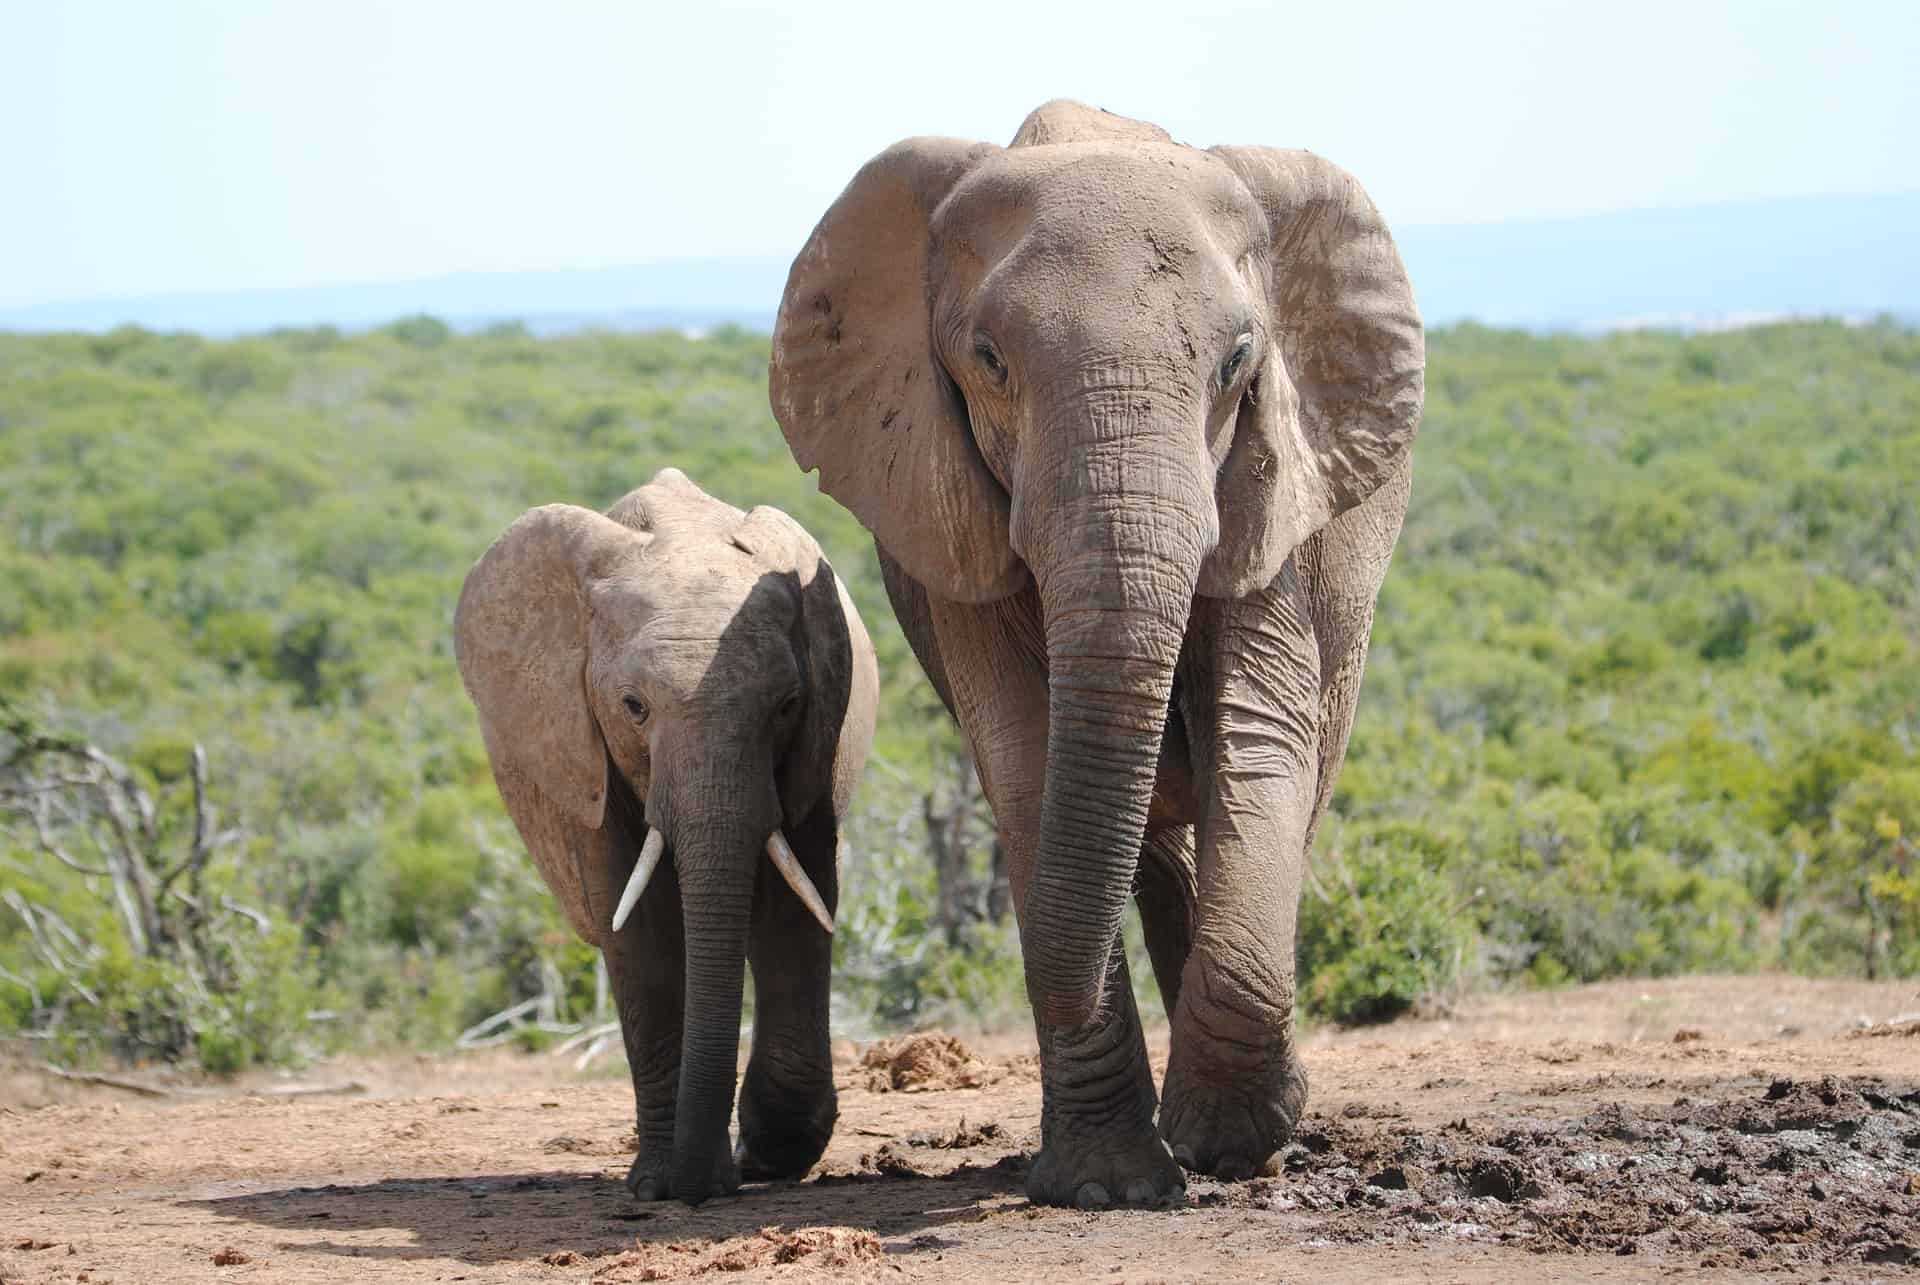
1123,370
675,677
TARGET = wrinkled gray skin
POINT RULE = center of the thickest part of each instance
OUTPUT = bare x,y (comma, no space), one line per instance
1129,422
679,665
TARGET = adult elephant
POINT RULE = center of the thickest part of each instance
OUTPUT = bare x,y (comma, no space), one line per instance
1129,422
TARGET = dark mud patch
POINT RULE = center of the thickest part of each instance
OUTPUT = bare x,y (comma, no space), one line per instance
1778,1175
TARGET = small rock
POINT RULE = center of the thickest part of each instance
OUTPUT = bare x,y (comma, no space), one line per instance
1688,1034
230,1257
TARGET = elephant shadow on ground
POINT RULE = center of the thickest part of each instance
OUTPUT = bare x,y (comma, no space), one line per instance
563,1217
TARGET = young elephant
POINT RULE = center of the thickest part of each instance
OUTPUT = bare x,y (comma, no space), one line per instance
681,680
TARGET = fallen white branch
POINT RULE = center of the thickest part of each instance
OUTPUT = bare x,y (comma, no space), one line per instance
478,1035
312,1090
594,1050
586,1036
105,1081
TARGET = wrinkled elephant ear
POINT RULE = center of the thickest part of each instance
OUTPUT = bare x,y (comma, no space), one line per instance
1334,418
859,393
825,645
520,638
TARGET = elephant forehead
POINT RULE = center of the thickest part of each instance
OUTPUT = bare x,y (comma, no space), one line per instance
724,644
1090,192
700,595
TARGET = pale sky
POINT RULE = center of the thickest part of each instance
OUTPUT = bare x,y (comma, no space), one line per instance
159,146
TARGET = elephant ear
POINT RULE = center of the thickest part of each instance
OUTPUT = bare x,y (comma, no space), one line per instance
1065,121
1335,416
520,638
859,393
823,642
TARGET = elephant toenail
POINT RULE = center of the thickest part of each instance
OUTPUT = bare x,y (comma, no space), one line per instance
1233,1169
1092,1196
1184,1154
1141,1192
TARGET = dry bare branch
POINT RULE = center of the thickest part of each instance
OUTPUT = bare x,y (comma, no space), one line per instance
587,1036
593,1051
106,1081
478,1035
259,920
312,1090
37,810
24,983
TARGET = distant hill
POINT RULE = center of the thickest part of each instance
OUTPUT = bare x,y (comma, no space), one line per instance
1686,269
689,295
1701,268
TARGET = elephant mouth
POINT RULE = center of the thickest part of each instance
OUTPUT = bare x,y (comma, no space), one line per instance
779,851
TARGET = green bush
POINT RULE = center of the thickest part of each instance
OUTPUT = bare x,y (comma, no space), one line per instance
1379,928
1644,692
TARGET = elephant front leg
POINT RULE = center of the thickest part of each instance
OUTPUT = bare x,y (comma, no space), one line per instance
1235,1087
787,1101
646,970
1098,1145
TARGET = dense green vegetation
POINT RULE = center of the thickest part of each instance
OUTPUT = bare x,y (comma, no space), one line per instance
1644,697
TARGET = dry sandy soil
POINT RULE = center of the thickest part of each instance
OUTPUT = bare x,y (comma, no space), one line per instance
1697,1129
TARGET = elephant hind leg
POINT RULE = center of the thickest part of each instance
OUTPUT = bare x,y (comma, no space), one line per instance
1166,892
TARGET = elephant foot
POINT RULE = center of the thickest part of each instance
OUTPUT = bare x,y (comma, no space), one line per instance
782,1147
709,1176
653,1176
1232,1127
783,1129
648,1177
1099,1173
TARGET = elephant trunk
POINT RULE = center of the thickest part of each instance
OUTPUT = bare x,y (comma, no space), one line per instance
1137,513
716,936
718,847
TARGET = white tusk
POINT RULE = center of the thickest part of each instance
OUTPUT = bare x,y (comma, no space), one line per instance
789,867
637,882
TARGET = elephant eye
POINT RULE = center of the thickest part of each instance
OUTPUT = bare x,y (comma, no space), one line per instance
1242,349
789,705
990,358
636,707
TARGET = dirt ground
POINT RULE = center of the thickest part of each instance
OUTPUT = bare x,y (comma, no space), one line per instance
1695,1129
